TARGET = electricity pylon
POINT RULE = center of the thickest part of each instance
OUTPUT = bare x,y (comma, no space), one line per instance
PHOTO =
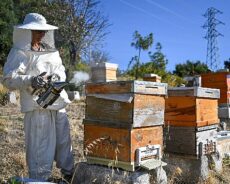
212,57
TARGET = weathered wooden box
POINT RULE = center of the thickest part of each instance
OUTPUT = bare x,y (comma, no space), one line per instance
152,78
127,103
191,106
107,144
220,80
103,72
194,141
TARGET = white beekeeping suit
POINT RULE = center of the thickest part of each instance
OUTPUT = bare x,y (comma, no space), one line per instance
47,131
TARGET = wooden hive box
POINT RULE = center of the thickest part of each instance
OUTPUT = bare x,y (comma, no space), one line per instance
191,106
108,145
126,103
103,72
152,78
194,141
220,80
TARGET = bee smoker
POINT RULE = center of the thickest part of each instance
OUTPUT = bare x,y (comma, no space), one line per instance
51,94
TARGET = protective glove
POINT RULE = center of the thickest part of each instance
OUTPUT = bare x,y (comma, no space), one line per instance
53,78
38,81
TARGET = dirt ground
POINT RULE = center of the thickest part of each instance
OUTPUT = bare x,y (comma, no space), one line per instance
12,148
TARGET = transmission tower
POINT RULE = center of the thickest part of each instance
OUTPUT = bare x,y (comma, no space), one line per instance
212,57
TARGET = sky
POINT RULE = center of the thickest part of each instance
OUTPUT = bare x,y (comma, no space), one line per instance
176,24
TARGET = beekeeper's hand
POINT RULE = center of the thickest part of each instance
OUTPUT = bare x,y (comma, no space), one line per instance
38,81
53,78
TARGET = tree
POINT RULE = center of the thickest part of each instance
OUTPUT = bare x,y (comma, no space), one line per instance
140,43
7,20
227,64
98,56
190,68
158,61
81,25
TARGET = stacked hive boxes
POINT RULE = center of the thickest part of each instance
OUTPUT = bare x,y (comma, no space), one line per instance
220,80
191,118
122,117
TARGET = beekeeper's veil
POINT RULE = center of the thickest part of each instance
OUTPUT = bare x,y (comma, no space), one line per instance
33,21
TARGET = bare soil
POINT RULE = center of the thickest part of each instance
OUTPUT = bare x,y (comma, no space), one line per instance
12,148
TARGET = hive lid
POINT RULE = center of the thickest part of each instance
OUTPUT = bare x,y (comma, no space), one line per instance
194,91
132,86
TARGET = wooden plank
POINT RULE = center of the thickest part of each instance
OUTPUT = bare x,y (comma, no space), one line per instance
194,91
112,124
109,87
108,110
142,87
186,140
192,123
118,144
148,110
206,110
144,110
214,77
180,108
180,140
128,166
220,81
145,87
141,137
106,142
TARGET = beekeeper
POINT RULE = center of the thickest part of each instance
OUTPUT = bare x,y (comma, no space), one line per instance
32,59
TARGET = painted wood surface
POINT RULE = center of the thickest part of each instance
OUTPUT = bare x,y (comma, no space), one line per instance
118,144
190,111
108,110
117,87
194,92
141,137
220,81
144,110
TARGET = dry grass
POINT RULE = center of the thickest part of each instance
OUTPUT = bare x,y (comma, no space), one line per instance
12,152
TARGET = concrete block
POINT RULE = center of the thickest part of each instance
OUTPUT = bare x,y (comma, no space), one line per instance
191,168
87,173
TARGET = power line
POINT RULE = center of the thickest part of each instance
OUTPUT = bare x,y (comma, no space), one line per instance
212,57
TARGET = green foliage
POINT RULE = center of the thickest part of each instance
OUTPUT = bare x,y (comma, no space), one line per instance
158,60
7,20
81,25
142,43
190,68
82,66
156,65
139,43
172,80
227,64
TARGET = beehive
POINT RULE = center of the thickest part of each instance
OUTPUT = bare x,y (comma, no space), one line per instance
194,141
106,144
104,72
152,78
191,106
220,80
122,116
131,103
